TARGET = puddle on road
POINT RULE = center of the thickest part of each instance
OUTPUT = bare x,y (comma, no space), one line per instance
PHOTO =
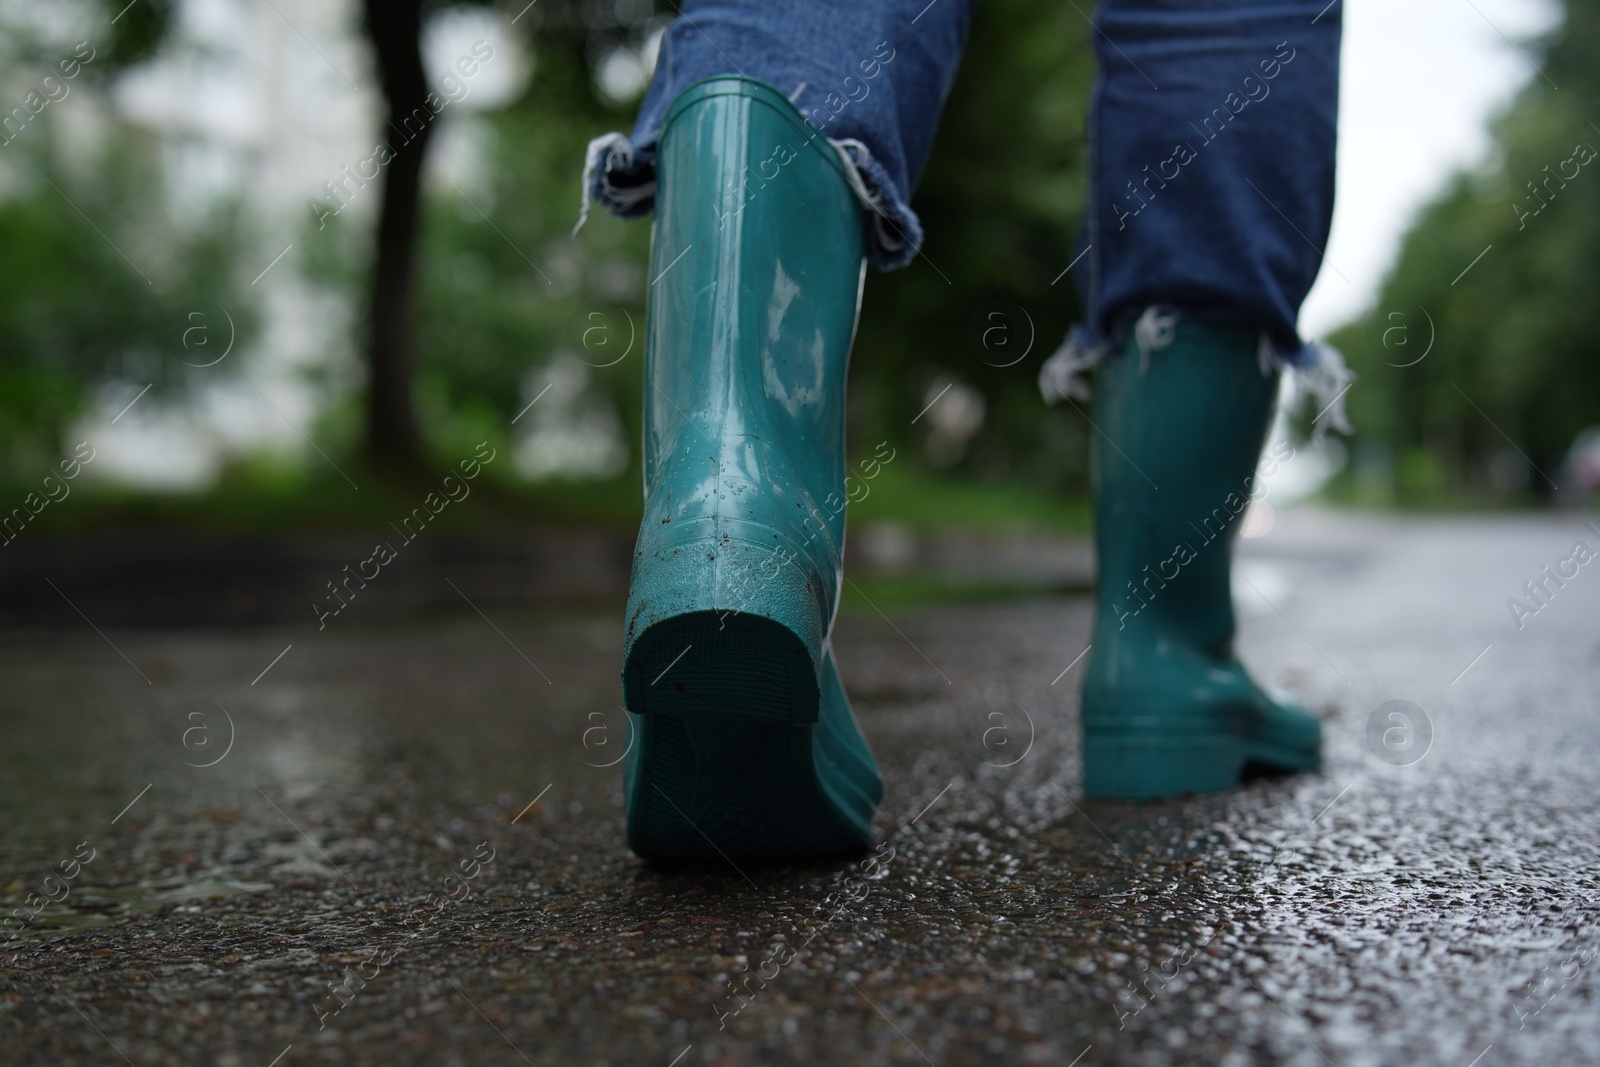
87,909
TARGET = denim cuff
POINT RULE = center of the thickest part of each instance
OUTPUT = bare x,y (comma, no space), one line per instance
621,177
1318,369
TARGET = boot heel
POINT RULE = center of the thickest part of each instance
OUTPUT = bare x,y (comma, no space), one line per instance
742,616
1139,768
724,665
726,702
728,762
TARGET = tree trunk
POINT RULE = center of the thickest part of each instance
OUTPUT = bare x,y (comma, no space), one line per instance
392,436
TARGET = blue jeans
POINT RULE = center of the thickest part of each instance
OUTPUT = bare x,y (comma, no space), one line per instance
1212,131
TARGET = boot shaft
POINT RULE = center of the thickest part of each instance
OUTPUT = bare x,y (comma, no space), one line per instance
747,340
1183,429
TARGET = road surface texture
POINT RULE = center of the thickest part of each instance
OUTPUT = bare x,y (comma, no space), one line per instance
245,826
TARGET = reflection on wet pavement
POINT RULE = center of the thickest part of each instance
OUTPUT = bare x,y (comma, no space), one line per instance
400,844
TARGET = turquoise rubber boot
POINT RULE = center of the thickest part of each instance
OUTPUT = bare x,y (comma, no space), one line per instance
1167,708
746,745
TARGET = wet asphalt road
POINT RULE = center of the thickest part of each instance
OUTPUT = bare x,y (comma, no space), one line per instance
1443,911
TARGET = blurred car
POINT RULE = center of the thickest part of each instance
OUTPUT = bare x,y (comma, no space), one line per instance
1580,471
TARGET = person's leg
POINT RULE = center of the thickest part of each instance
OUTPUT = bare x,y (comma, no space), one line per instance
745,743
1213,126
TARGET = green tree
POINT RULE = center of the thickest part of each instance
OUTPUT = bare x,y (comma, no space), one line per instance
1513,359
473,334
504,285
1000,202
95,285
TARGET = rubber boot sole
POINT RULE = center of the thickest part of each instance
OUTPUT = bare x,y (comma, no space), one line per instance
1142,767
731,761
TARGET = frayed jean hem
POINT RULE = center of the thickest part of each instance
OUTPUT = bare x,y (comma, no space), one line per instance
621,177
